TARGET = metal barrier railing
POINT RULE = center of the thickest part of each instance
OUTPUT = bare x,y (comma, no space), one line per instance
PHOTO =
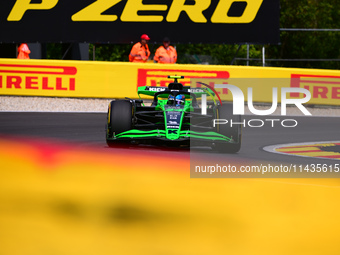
264,60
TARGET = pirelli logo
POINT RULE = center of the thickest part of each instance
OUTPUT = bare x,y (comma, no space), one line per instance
121,21
158,77
134,9
37,77
320,86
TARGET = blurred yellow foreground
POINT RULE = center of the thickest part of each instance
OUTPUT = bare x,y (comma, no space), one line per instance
66,200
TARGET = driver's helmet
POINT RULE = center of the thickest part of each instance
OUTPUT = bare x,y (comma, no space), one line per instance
180,100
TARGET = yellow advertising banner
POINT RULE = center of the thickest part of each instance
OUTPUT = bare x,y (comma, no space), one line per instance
89,79
258,89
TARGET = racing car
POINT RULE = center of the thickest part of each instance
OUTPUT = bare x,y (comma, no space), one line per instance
175,117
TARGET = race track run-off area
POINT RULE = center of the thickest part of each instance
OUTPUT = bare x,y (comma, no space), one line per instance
326,149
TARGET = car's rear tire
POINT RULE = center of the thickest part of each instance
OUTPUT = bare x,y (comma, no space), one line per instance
225,112
119,119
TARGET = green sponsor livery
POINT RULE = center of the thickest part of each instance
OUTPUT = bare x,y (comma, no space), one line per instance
174,116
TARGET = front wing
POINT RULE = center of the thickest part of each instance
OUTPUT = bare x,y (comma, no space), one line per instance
136,134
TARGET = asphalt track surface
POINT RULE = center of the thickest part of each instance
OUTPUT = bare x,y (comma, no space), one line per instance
88,129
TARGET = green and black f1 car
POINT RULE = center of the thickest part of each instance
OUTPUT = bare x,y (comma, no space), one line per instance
175,117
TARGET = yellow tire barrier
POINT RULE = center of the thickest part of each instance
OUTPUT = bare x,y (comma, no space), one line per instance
56,78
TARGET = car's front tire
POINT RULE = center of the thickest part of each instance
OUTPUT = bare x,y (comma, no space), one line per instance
119,119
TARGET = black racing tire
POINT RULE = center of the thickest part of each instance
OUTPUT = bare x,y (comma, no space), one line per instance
225,111
119,119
